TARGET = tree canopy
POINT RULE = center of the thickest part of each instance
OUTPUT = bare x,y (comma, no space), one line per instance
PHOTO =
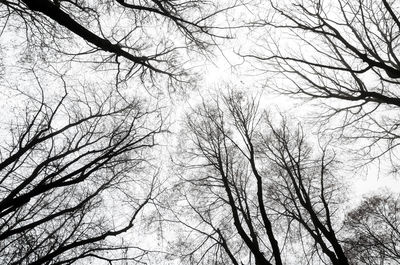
98,164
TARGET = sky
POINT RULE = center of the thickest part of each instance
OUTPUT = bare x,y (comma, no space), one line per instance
224,68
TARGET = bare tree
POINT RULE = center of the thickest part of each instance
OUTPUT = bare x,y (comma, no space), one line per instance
344,54
74,173
257,193
130,37
74,166
374,230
